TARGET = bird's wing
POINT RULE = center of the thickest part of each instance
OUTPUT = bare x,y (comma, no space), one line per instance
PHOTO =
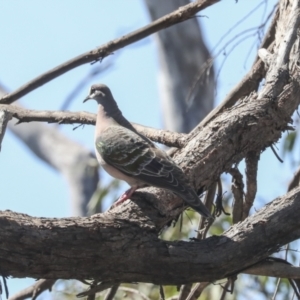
129,153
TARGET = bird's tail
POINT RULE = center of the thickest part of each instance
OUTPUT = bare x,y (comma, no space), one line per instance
193,200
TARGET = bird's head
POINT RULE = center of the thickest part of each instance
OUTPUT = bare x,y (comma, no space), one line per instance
101,93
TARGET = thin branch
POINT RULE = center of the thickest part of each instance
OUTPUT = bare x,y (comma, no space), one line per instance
134,291
276,154
162,293
181,14
251,181
184,291
197,290
93,289
166,137
295,181
251,80
219,208
237,188
61,117
112,292
236,25
208,202
225,290
274,269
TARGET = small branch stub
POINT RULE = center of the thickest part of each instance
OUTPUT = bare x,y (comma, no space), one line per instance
5,116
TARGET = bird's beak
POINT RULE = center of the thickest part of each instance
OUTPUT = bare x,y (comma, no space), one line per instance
86,98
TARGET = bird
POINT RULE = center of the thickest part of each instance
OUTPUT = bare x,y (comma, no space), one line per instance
126,154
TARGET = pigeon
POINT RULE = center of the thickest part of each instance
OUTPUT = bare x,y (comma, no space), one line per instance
127,155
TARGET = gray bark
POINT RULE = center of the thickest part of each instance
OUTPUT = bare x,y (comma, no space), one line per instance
186,79
108,247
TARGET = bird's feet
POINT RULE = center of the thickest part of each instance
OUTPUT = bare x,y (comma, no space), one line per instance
124,197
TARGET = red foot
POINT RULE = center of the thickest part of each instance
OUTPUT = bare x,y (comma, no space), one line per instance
124,197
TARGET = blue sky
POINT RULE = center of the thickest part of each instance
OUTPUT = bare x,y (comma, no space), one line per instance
39,35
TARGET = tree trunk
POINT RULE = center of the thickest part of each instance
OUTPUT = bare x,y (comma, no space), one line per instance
186,79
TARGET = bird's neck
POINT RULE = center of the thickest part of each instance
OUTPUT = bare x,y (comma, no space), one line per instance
113,117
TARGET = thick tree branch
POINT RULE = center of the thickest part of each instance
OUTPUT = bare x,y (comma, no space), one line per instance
98,54
51,248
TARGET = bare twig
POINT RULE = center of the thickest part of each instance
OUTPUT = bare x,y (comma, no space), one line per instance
235,26
98,54
276,154
251,80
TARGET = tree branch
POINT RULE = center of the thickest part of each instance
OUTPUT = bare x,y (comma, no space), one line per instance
168,138
98,54
55,253
237,188
274,269
34,290
295,181
251,181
